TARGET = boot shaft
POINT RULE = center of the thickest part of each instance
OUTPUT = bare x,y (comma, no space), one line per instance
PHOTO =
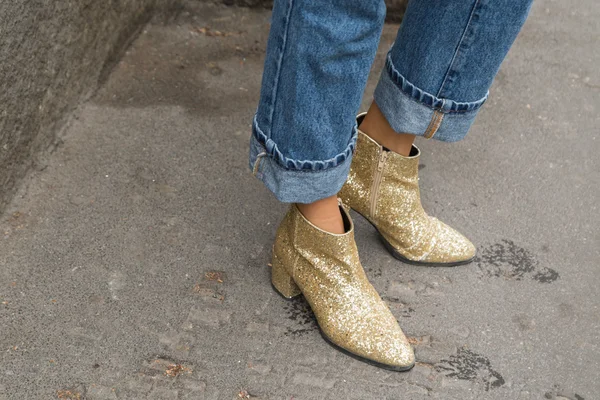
378,176
299,245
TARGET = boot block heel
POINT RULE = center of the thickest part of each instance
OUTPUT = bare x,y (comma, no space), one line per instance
282,281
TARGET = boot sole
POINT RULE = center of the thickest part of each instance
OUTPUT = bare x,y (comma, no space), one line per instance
365,360
348,353
396,254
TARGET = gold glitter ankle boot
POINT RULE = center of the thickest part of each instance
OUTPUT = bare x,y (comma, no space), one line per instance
383,187
325,268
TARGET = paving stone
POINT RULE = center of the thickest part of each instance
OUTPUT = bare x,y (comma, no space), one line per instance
460,331
210,317
259,367
163,394
313,380
524,395
96,392
404,291
179,344
257,327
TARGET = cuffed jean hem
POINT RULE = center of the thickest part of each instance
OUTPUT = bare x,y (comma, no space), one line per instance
409,109
297,185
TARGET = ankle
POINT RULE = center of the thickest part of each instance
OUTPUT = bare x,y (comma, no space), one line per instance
376,126
324,214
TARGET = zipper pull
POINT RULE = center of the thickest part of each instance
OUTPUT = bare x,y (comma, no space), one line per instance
382,159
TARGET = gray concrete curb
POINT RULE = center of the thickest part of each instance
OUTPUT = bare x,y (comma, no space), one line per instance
51,59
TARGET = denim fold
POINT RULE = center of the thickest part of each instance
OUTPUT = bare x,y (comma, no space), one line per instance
314,180
272,150
436,77
409,109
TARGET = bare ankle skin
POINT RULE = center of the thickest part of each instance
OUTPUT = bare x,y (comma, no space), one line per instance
376,126
324,214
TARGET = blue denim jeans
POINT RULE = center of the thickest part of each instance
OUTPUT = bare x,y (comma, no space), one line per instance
319,54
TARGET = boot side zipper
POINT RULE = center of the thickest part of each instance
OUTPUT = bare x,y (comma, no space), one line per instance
377,181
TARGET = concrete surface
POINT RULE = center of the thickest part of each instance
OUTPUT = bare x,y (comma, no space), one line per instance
134,266
52,55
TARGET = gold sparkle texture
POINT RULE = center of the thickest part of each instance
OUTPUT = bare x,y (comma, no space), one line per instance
326,269
383,186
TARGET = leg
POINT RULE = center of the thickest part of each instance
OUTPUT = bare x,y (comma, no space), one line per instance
324,213
442,64
304,133
317,63
376,126
436,77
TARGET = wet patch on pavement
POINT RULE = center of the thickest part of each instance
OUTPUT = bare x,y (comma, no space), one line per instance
470,366
301,315
508,260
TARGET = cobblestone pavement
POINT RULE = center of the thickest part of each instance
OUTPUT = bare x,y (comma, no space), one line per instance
134,262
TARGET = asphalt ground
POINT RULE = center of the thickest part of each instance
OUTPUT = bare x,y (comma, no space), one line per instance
134,261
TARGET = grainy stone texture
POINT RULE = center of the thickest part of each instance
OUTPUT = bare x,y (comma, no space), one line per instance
52,55
134,266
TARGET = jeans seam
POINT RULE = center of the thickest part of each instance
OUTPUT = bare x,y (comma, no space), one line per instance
434,124
259,158
458,47
280,62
